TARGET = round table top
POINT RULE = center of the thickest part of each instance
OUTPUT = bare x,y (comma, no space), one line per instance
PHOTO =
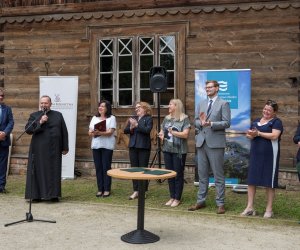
121,174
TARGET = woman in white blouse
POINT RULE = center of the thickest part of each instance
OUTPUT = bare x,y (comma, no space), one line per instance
103,144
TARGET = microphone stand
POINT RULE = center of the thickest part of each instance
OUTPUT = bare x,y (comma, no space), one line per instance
28,216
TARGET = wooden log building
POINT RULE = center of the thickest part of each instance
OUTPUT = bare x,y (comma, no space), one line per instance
111,46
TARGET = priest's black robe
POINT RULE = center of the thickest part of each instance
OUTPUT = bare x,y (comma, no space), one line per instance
48,142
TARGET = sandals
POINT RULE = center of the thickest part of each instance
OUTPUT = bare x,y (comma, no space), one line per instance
268,215
248,213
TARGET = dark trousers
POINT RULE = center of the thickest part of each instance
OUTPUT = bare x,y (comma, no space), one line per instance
175,162
3,166
139,157
102,161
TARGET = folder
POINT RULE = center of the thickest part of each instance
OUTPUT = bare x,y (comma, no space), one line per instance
100,126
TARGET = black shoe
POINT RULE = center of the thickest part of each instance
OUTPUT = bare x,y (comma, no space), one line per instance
106,195
2,190
54,199
99,194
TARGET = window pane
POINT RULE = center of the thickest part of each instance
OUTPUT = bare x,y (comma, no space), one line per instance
167,61
125,97
106,47
125,80
170,78
125,46
167,44
118,68
147,96
106,64
125,63
144,80
146,63
106,81
106,95
165,97
146,46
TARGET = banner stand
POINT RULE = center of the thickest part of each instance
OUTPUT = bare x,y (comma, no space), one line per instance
63,91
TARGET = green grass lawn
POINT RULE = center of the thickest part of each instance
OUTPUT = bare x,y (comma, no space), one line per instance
286,204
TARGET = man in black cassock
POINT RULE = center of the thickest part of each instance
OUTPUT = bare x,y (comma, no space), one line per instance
49,142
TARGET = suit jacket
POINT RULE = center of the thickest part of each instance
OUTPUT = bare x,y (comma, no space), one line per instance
140,136
220,116
296,139
6,124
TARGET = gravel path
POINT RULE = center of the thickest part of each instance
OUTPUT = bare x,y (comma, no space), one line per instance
100,226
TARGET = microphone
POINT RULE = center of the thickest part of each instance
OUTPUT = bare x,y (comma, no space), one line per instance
45,111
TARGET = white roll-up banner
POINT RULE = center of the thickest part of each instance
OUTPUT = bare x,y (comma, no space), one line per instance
63,91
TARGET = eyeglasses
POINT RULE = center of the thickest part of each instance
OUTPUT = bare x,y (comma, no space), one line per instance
210,87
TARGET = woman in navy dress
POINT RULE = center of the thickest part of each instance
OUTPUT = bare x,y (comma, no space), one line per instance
265,135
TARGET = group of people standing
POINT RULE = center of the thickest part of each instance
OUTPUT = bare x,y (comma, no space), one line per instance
174,133
213,118
50,141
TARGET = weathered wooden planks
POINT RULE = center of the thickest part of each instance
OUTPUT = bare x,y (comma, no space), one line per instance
264,40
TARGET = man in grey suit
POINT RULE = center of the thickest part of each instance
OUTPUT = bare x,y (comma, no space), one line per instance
213,118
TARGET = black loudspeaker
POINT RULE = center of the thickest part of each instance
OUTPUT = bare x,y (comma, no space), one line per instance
158,79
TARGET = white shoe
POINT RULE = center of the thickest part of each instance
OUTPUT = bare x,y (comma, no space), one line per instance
268,215
135,195
175,203
250,212
169,203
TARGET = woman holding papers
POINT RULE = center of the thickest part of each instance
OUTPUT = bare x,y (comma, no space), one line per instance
139,127
174,133
102,128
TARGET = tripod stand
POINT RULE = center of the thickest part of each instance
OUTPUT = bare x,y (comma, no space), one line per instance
28,216
157,155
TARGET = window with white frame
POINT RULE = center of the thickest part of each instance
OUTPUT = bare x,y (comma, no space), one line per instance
124,67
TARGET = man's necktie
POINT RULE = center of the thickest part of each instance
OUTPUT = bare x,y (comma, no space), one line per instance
209,106
0,113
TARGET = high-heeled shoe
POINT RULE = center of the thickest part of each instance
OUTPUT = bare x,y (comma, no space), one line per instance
248,213
169,202
175,203
135,195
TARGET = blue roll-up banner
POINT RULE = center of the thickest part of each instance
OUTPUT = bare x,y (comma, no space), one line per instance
235,87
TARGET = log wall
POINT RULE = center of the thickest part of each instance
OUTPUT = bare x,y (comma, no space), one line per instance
265,40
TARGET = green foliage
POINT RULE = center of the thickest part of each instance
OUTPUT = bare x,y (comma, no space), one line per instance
286,204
